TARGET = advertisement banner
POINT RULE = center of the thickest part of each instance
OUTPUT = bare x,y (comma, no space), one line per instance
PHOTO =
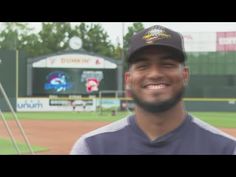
48,105
108,103
226,41
74,61
200,41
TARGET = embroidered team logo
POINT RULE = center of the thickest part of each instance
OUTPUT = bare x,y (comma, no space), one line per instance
154,34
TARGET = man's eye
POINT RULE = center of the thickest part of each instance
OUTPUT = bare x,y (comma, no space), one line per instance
168,65
142,66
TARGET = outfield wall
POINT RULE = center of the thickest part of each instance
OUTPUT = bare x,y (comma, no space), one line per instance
8,77
58,104
50,105
210,105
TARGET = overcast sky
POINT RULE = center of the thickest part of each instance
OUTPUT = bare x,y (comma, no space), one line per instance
114,29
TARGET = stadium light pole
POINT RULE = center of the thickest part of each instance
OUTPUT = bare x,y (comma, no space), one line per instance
17,63
120,64
17,74
122,55
123,31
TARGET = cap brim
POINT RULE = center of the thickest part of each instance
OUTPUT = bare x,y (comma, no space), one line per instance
182,55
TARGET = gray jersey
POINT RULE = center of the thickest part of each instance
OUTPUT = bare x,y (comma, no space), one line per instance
193,136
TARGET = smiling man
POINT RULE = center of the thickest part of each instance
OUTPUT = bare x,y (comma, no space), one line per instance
156,79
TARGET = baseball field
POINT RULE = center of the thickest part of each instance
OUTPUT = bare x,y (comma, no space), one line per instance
56,132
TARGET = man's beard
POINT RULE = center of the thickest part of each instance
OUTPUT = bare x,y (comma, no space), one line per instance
159,107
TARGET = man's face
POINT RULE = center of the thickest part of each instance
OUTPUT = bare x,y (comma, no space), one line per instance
156,79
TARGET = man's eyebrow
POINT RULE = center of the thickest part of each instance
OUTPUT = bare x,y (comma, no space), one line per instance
169,56
139,59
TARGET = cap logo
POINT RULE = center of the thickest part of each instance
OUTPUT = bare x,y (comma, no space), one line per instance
154,34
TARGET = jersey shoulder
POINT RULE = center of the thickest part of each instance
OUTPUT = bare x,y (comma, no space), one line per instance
112,127
210,130
90,143
213,138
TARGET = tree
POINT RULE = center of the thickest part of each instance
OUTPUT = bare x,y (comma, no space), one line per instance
11,35
136,27
81,31
54,37
95,39
117,54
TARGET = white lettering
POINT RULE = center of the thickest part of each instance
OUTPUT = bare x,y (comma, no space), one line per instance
30,104
227,41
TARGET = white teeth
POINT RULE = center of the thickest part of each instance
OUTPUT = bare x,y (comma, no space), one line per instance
156,87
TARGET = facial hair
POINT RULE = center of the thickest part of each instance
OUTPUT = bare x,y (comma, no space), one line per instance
159,107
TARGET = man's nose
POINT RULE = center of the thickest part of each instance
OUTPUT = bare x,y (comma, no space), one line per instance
155,72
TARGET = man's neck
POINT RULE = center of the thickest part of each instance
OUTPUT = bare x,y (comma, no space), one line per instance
155,125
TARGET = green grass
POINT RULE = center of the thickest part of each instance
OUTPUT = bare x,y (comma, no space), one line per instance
90,116
218,119
7,147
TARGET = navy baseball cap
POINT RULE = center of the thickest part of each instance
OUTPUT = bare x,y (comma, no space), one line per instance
157,36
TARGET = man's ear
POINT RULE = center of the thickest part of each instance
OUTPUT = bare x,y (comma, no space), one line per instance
127,80
186,75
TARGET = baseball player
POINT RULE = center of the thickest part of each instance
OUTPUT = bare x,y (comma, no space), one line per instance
156,79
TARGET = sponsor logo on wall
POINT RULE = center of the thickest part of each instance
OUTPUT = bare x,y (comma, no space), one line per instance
29,104
226,41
